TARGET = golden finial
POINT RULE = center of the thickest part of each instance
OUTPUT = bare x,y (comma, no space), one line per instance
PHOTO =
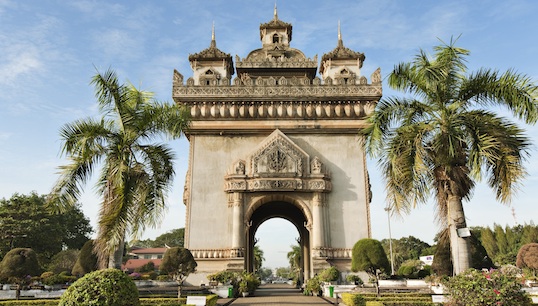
340,42
213,41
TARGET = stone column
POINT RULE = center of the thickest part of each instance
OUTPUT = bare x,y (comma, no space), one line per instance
318,220
306,260
238,232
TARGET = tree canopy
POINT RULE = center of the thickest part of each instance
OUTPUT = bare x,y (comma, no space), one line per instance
503,244
442,137
136,171
173,238
368,256
178,262
406,248
25,221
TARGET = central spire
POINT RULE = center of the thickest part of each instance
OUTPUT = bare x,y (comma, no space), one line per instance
340,42
275,13
213,41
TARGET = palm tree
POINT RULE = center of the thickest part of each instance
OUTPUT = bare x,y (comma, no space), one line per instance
441,138
258,258
294,258
136,172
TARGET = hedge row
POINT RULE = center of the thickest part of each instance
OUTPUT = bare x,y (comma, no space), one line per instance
211,301
356,299
30,302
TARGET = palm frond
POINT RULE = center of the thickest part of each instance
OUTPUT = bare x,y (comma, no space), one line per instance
516,92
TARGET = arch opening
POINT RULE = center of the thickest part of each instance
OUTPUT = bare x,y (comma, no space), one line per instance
287,211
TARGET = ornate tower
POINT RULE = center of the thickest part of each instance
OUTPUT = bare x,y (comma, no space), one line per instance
278,141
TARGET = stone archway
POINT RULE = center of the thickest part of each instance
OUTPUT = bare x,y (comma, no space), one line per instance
286,208
276,136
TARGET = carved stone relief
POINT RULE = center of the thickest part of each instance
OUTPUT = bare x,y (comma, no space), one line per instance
278,164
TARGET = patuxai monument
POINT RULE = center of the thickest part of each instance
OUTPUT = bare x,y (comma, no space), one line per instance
272,138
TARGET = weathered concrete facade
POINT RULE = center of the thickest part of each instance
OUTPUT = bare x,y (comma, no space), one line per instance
276,141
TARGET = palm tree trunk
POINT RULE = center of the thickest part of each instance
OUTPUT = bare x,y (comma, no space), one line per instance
116,259
460,247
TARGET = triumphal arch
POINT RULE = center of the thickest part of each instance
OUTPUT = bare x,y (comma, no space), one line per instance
276,140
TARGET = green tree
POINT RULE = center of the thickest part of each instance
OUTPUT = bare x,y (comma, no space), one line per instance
503,244
26,222
86,261
18,266
265,273
178,263
64,261
405,248
136,171
258,257
489,242
529,234
283,272
440,138
368,256
173,238
294,258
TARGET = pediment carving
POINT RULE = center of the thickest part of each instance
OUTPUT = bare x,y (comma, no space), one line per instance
278,164
278,156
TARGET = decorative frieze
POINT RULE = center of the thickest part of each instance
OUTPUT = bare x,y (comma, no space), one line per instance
217,253
332,253
276,62
280,110
184,94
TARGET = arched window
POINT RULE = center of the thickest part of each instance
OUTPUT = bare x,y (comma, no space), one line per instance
276,39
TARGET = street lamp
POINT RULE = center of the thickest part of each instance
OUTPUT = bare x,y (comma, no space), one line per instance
387,209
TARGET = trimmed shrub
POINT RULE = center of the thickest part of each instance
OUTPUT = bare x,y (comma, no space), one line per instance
353,299
374,303
87,260
18,265
163,301
30,303
527,257
476,288
313,286
149,267
223,277
164,278
354,279
103,287
211,300
330,274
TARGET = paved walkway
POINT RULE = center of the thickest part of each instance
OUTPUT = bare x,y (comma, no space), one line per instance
279,295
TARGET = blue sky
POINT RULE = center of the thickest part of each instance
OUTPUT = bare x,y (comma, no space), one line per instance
49,50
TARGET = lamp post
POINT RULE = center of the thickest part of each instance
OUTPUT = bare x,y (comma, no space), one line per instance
387,209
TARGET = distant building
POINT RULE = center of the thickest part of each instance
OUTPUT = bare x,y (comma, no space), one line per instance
142,256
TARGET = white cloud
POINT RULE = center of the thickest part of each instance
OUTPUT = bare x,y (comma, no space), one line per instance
19,60
4,136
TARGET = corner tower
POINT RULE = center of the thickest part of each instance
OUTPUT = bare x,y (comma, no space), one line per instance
278,141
